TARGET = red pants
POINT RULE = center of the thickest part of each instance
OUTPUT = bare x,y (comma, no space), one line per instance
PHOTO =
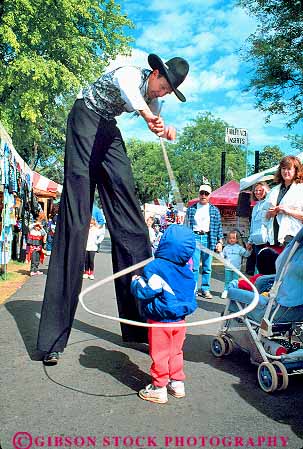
165,349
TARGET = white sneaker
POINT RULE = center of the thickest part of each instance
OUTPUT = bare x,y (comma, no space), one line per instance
85,276
224,294
91,276
206,294
154,394
176,388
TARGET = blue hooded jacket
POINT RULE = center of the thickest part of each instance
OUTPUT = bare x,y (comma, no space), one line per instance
166,290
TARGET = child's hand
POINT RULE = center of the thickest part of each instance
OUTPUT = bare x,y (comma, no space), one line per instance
135,277
219,247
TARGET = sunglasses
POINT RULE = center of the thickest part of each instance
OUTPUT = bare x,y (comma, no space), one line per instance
204,193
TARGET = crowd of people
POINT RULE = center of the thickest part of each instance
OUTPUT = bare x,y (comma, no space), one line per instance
184,270
168,288
41,236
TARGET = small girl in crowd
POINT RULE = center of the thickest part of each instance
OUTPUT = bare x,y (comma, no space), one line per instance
233,252
35,253
149,223
158,234
95,234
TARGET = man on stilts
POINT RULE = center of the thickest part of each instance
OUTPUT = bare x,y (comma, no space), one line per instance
95,155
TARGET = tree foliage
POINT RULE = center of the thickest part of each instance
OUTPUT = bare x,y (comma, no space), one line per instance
48,49
198,154
276,53
195,155
150,174
270,156
296,143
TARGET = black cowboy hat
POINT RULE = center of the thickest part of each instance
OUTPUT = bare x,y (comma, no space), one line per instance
174,70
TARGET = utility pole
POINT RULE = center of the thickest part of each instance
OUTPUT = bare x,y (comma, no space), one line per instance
223,163
257,161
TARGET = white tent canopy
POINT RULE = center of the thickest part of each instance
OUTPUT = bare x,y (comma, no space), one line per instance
264,175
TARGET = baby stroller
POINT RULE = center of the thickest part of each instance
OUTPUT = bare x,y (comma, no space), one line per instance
272,333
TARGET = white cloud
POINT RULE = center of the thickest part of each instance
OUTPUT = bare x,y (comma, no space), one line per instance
170,31
227,65
259,133
137,58
168,5
211,81
205,42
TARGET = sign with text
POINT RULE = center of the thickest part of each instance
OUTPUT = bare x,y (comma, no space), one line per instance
236,136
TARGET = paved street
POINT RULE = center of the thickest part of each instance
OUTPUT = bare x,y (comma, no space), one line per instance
90,399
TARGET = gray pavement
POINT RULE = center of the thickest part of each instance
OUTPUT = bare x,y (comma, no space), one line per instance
90,399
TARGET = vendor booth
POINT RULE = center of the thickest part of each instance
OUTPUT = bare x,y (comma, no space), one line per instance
226,199
19,205
46,191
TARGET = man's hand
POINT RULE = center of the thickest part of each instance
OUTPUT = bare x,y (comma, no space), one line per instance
170,133
156,125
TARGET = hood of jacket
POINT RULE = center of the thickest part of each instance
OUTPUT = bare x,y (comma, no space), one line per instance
177,244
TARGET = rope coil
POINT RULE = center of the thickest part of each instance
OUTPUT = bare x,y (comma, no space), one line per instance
112,277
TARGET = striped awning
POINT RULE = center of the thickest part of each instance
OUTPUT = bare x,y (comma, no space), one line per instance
47,185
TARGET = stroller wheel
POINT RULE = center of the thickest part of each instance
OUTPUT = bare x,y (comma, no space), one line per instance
229,344
282,375
218,347
267,377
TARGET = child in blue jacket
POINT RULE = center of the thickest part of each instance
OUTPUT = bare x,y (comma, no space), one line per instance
166,294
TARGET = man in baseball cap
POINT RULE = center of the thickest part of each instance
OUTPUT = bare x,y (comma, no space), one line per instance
205,221
205,188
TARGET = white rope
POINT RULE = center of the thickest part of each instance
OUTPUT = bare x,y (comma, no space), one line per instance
110,278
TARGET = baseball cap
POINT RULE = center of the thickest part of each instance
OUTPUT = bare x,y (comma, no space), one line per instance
205,188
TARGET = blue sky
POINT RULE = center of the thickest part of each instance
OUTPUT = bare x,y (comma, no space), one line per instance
209,34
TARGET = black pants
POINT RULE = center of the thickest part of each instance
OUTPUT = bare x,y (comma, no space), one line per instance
251,261
95,155
35,260
89,264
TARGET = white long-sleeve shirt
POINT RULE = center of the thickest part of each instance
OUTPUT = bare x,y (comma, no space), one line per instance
121,90
258,231
288,225
95,236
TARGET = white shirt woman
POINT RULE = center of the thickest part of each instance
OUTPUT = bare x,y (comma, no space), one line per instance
284,203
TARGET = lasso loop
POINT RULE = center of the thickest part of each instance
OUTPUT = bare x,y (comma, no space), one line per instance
110,278
176,193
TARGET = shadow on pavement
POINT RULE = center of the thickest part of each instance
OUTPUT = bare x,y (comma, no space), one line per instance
26,314
284,407
210,306
115,363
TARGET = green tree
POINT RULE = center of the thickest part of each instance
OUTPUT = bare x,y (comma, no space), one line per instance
197,154
150,174
269,157
276,53
296,143
48,49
